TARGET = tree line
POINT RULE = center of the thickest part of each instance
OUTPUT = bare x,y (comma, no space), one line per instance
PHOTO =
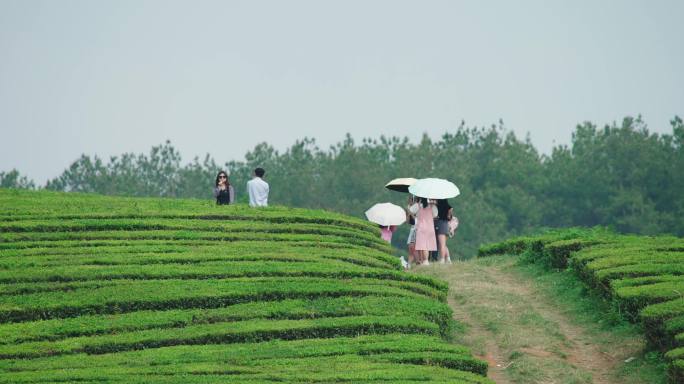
621,175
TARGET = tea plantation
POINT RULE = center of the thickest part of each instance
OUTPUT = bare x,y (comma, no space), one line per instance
642,276
106,289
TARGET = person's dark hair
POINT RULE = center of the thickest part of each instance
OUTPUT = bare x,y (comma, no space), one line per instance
259,172
443,208
424,201
224,174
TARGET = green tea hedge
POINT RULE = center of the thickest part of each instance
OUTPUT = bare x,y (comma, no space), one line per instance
137,290
643,276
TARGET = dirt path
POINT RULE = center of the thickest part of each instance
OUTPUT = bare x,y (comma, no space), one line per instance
579,349
523,335
491,353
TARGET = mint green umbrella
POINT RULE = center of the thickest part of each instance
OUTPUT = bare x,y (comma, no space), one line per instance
432,188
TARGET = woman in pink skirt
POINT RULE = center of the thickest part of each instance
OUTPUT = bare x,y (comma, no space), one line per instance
426,241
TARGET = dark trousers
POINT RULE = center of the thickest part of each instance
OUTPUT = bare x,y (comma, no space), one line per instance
434,255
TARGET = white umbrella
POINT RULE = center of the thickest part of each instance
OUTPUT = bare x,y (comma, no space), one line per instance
386,214
401,184
434,189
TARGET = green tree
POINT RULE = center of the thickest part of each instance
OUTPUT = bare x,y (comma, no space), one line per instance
621,175
13,179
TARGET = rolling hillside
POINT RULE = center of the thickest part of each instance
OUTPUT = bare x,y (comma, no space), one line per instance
105,289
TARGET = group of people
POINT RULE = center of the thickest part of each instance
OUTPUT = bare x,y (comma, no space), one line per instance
257,189
431,221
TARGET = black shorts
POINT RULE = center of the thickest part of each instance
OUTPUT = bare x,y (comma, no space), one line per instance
441,227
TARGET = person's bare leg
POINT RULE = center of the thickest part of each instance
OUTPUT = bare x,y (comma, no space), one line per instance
412,253
443,250
424,256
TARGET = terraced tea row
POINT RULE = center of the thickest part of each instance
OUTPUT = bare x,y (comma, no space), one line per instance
132,295
643,276
291,309
112,268
11,241
136,255
384,358
102,289
26,205
59,229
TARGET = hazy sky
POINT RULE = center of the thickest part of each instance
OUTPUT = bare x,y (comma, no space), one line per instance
107,77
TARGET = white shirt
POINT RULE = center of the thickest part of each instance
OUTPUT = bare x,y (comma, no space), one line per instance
258,192
416,207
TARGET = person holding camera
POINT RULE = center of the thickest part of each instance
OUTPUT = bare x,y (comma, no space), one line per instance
223,190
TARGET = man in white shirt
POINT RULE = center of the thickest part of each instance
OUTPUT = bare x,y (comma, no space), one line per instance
258,189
